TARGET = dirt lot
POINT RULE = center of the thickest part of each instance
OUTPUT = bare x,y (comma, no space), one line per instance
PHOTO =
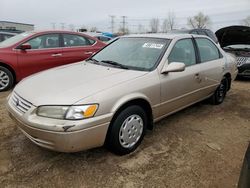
202,146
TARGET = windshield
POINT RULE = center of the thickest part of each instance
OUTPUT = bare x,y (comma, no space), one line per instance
13,40
133,53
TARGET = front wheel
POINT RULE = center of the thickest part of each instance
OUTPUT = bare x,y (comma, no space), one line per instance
6,79
220,93
127,130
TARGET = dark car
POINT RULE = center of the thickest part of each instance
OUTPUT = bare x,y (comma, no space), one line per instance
236,40
5,35
31,52
206,32
244,181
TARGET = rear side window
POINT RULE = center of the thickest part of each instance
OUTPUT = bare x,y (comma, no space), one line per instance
184,52
70,40
208,51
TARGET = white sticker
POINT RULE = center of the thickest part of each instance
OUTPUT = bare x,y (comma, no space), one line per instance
153,45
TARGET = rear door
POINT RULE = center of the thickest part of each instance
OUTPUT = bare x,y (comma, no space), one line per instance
212,65
180,89
77,48
45,53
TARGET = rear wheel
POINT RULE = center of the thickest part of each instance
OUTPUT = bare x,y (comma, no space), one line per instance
220,93
127,130
6,79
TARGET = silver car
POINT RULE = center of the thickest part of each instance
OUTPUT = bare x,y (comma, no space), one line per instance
118,93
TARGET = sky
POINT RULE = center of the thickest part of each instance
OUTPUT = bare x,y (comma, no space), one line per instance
96,13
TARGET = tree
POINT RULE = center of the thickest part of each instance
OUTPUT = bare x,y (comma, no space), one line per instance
199,21
169,23
93,29
154,25
246,21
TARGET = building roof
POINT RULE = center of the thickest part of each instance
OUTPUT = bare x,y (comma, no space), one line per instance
16,23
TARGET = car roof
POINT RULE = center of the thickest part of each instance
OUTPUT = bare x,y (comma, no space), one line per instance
164,36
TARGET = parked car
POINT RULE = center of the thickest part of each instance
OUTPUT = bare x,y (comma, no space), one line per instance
115,95
206,32
31,52
236,40
5,35
99,36
244,181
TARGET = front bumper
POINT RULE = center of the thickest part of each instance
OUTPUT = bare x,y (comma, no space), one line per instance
244,70
61,135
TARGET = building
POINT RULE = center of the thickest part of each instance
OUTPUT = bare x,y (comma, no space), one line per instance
15,26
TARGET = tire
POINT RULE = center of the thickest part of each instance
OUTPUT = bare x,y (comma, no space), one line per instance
6,79
127,130
220,93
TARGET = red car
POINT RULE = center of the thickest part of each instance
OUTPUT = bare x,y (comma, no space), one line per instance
31,52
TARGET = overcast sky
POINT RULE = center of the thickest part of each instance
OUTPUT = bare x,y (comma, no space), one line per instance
91,13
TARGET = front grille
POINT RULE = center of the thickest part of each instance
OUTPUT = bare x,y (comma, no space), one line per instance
19,103
241,60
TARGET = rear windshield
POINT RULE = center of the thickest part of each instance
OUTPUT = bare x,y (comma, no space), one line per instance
13,40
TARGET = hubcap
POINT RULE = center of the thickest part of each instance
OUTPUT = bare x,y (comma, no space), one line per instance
4,80
131,131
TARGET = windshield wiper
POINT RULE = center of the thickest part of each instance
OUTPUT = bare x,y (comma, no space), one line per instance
93,60
114,63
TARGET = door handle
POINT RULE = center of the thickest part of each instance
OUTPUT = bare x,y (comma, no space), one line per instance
56,55
88,53
197,77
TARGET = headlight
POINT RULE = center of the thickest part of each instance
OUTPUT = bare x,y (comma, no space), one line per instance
68,112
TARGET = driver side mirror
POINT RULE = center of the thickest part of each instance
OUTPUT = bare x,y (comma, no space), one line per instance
25,46
173,67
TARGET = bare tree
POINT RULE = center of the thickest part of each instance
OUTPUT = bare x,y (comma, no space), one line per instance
93,29
141,29
246,21
169,23
71,27
154,25
200,21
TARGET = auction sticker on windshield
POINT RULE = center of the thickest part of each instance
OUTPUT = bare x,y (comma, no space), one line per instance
153,45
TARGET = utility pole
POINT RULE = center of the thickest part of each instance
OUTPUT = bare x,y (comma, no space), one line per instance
53,25
112,23
124,23
62,26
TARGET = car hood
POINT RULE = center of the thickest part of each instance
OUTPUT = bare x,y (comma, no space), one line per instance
233,35
66,85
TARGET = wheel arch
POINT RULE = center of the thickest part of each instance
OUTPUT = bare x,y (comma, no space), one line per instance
134,99
229,78
10,69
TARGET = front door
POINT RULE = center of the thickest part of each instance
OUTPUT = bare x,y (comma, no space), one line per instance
45,53
180,89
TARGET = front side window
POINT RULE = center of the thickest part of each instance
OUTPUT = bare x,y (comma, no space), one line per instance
70,40
183,52
208,51
45,41
134,53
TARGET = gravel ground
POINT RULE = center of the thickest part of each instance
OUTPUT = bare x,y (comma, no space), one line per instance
201,146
